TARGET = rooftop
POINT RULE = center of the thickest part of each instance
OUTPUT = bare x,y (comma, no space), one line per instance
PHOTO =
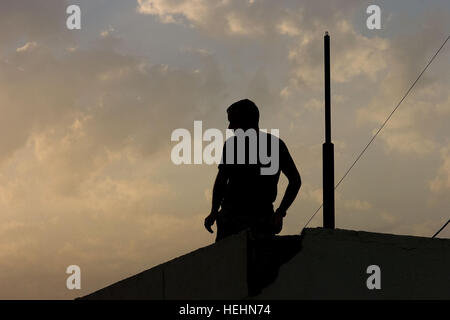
318,264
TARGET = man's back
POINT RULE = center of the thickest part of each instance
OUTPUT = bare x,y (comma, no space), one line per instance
248,189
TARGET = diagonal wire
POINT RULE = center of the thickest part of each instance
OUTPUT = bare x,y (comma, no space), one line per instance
442,228
382,126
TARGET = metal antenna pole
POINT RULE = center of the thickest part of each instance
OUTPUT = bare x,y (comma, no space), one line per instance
328,147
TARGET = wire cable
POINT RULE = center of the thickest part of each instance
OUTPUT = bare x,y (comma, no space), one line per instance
441,228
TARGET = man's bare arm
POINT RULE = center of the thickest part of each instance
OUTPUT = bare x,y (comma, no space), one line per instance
218,190
295,182
217,197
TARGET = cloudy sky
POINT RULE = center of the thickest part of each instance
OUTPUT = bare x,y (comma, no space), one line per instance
86,117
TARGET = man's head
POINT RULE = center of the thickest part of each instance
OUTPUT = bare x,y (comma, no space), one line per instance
243,114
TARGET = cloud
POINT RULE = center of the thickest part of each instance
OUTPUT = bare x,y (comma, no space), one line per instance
85,136
196,11
353,55
32,21
27,47
408,142
358,205
82,146
85,170
441,182
242,18
417,126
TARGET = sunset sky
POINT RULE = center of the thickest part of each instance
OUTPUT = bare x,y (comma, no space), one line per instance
86,117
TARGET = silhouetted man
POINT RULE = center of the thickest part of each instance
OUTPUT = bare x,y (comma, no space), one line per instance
246,187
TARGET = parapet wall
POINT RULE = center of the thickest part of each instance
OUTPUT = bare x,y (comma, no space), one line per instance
319,264
333,265
218,271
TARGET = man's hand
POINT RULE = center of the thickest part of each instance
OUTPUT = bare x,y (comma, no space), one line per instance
209,221
278,220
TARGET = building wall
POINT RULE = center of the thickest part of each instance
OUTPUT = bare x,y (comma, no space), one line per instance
333,265
218,271
319,264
